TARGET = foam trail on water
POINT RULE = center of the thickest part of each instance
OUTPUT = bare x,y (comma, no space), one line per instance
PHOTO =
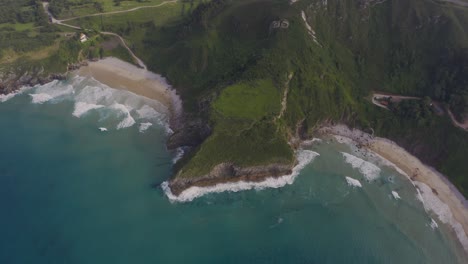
144,126
128,120
369,170
304,157
6,97
353,182
396,195
82,108
178,155
103,129
51,91
433,203
40,98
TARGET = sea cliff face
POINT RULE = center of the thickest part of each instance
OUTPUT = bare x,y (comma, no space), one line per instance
229,172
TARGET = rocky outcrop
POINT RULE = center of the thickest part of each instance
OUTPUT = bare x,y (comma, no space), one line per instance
188,132
229,172
12,80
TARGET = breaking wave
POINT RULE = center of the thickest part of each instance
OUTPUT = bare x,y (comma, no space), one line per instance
117,108
353,182
304,157
434,204
6,97
369,170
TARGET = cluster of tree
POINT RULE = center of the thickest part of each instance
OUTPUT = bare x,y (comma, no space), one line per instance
21,41
419,111
20,11
201,16
450,81
117,2
56,7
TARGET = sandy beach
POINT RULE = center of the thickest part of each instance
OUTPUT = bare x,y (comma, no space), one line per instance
439,196
122,75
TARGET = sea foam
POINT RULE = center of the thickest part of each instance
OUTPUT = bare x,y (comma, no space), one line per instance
6,97
144,126
82,108
304,157
353,182
47,92
434,204
128,120
369,170
396,195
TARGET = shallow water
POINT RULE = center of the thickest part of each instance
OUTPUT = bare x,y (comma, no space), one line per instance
70,193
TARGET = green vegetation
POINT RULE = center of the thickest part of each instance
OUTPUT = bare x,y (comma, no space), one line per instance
64,9
249,101
232,68
222,54
28,41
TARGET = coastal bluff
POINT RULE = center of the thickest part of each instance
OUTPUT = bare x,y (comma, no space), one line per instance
229,172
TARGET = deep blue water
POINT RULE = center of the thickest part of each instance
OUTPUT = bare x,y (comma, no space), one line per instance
70,193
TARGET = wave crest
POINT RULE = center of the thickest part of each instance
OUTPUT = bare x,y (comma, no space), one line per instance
304,157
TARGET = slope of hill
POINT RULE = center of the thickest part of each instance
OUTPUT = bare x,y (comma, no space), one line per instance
234,61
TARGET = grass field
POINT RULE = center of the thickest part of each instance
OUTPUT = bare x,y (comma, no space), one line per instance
76,8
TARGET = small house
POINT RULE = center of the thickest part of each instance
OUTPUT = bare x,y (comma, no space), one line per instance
83,38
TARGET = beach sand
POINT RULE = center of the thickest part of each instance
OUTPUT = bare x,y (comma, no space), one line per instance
438,194
122,75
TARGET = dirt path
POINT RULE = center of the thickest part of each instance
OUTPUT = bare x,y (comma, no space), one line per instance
118,12
60,22
138,60
463,125
284,100
399,98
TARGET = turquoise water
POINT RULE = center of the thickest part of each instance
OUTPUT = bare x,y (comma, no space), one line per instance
70,193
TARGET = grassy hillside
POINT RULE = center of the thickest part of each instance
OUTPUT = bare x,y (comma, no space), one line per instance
232,68
258,70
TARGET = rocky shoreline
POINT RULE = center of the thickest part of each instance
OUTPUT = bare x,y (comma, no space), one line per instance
228,173
12,80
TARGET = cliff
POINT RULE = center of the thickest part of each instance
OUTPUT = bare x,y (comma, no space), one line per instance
229,172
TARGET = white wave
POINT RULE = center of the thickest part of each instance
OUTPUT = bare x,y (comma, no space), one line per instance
369,170
147,112
128,120
103,129
40,98
310,141
387,163
95,95
178,155
433,224
6,97
434,204
116,106
144,126
53,90
304,157
396,195
82,108
353,182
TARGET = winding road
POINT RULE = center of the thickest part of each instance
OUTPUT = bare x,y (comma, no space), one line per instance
53,20
398,98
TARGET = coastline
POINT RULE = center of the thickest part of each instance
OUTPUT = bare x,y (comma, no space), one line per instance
118,74
438,195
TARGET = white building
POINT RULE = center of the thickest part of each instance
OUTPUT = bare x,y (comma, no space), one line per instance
83,38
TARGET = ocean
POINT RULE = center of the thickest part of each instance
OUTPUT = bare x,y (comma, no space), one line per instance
81,167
